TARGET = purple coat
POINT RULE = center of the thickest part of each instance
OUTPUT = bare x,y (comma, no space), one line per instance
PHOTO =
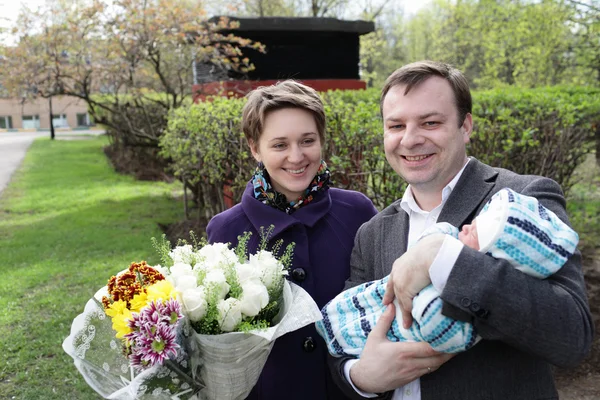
324,235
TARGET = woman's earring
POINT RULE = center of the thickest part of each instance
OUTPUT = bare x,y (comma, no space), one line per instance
261,165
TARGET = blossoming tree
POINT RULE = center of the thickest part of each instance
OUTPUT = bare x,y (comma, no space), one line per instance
130,60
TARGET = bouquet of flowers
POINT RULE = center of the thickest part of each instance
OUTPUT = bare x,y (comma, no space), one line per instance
199,326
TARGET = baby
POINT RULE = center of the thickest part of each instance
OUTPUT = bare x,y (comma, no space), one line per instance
510,226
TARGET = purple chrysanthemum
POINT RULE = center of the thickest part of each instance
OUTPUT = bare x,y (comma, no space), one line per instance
158,347
153,312
172,309
134,322
137,362
153,336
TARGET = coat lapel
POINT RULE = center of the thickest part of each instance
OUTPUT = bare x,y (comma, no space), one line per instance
394,229
469,194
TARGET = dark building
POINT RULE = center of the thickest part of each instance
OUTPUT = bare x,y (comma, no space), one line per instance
321,52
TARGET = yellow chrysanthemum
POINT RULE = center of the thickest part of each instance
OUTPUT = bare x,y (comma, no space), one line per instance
120,315
139,301
120,323
116,308
160,290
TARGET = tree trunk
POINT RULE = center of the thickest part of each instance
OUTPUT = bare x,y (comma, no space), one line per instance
598,144
52,135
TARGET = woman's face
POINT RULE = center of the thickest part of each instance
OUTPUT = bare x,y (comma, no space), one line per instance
290,149
468,235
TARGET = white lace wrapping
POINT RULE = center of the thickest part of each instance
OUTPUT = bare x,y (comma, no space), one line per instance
208,367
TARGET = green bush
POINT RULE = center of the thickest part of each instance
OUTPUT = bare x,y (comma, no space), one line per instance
543,131
208,151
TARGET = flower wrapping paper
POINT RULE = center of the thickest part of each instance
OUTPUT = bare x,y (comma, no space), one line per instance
208,367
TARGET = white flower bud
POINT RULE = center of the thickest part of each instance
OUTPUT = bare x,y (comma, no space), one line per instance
246,271
254,297
182,277
271,270
215,281
182,254
216,255
230,314
194,303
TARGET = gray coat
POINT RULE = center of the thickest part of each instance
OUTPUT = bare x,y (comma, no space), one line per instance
526,323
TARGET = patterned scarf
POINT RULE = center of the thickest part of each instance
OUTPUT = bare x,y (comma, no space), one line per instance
264,192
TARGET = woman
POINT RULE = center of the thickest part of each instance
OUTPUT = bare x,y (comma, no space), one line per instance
285,128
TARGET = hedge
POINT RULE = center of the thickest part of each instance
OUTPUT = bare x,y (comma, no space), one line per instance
543,131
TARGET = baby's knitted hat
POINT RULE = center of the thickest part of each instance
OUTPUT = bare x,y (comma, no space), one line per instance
519,229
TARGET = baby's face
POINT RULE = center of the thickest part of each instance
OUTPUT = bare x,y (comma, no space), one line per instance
468,235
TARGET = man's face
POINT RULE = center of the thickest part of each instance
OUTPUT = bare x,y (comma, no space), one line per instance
422,138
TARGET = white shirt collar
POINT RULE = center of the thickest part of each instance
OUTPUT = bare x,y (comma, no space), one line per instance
409,203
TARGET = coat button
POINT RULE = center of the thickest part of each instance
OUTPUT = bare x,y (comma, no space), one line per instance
298,274
475,307
465,302
309,344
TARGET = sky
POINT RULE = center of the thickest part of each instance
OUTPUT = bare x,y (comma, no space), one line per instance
9,10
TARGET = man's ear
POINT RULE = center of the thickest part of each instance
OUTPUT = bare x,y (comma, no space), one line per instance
467,128
254,149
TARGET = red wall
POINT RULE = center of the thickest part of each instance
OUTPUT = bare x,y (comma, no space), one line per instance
241,88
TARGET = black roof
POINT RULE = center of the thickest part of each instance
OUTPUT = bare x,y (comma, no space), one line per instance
300,24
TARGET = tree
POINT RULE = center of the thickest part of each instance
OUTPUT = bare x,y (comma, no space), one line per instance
301,8
381,51
130,60
585,22
508,42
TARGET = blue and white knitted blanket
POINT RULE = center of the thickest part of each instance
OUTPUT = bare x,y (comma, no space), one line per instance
528,235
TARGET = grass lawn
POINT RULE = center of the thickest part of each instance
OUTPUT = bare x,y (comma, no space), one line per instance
67,223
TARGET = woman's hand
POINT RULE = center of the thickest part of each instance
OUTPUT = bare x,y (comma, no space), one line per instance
385,365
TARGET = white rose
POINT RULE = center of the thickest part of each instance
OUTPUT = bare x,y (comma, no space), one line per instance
254,297
183,277
216,255
194,303
271,270
215,281
246,271
182,254
230,314
184,282
181,268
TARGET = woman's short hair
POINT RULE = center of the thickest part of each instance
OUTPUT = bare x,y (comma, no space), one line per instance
416,73
284,94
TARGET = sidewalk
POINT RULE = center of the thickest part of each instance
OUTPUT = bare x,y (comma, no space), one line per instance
14,145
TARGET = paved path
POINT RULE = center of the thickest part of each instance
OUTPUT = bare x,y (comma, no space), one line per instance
14,145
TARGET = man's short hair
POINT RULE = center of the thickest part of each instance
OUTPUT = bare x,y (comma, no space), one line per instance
416,73
284,94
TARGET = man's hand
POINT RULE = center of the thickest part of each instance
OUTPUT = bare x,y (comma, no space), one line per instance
386,365
410,274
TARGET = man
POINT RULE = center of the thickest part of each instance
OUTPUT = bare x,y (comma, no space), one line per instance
526,323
